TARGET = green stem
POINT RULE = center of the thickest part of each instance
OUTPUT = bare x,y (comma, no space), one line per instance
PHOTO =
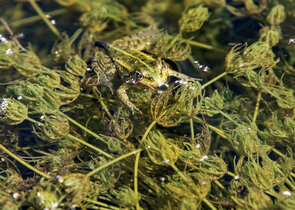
221,186
202,45
101,204
256,107
43,16
214,79
75,36
84,128
282,174
148,130
192,129
228,117
77,139
278,152
90,146
179,173
209,204
29,20
112,162
136,179
231,174
98,95
24,162
216,130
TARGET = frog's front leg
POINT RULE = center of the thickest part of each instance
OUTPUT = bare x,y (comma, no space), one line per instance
122,94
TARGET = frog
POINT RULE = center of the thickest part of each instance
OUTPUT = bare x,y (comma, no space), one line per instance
132,65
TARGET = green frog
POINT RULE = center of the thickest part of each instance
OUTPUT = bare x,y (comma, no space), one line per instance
125,59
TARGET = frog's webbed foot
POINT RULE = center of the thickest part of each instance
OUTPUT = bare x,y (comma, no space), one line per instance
103,80
122,94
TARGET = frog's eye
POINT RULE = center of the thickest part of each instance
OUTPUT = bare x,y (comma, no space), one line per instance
138,75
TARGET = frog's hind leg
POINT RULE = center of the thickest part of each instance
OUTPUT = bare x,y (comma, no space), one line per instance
121,92
172,73
104,67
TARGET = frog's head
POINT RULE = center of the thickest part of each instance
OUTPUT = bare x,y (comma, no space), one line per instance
152,76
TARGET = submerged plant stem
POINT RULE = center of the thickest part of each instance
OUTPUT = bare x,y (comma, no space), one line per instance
202,45
112,162
90,146
209,204
228,117
101,204
75,36
216,130
24,162
186,180
35,18
84,128
98,95
43,16
191,122
80,140
214,79
256,107
136,178
148,130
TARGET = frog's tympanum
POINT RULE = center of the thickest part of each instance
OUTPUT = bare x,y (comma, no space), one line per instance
127,59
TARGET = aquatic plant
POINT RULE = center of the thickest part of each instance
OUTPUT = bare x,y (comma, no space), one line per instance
155,104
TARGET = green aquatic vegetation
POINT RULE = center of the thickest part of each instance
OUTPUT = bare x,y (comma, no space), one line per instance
154,104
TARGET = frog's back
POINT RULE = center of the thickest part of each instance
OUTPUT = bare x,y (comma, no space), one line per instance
140,40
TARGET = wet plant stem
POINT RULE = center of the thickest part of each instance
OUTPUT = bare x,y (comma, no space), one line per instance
282,174
216,130
112,162
77,139
293,115
98,95
20,160
209,204
84,128
226,191
186,180
202,45
148,130
90,146
45,19
136,164
11,34
214,79
35,18
283,156
256,107
179,172
101,204
191,122
228,117
75,36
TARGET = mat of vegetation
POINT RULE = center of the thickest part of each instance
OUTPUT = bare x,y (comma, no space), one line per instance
147,104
